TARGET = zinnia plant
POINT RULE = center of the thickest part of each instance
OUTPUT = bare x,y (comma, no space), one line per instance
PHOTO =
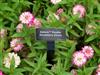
22,54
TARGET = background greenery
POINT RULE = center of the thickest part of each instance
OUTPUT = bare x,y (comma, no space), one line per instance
33,56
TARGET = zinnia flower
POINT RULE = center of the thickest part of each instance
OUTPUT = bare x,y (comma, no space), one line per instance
26,18
88,51
79,59
16,44
19,27
8,59
37,23
98,73
79,9
3,33
98,70
55,1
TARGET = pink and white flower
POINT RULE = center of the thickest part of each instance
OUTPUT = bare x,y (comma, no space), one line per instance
98,70
79,9
99,66
79,59
55,1
16,44
19,27
26,18
98,73
88,51
37,23
59,11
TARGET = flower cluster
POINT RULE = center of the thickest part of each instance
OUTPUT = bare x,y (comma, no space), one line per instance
16,44
81,57
8,59
28,19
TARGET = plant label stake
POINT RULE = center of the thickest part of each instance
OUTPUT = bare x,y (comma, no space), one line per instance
50,35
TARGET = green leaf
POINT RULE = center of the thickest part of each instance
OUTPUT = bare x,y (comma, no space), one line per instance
48,71
20,70
78,26
39,45
74,33
28,69
71,50
68,73
12,66
97,51
6,70
91,38
89,70
5,7
1,51
28,41
18,35
29,63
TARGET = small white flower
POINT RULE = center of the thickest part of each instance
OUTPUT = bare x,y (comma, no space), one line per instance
55,1
8,59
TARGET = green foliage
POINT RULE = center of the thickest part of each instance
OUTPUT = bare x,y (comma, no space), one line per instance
33,55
